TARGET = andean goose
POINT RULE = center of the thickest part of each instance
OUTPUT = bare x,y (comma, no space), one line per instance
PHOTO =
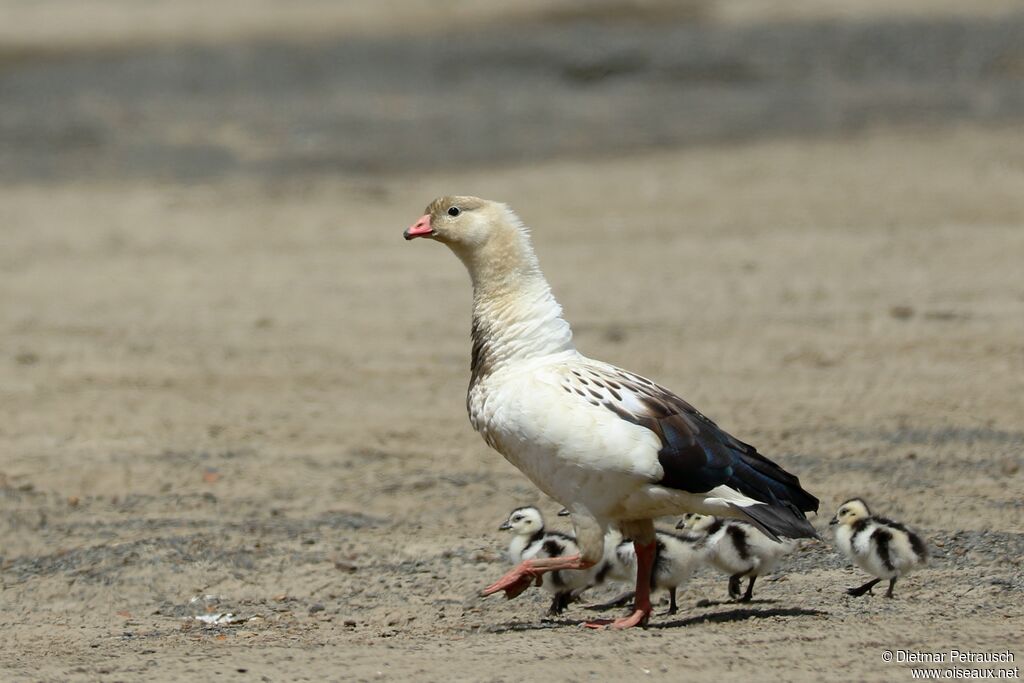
612,446
531,540
881,547
737,549
676,558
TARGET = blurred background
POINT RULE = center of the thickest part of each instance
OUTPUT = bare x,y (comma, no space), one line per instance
227,384
201,91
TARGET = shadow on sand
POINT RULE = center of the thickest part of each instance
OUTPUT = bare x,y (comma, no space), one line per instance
739,614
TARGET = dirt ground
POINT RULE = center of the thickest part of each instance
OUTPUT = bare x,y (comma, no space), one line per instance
246,396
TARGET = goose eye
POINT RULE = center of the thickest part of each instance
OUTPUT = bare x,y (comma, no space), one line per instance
454,211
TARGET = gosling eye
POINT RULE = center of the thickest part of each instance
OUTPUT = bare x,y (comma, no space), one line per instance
454,211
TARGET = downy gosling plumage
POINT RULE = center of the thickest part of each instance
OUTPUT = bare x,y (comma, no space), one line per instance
737,549
881,547
676,558
531,540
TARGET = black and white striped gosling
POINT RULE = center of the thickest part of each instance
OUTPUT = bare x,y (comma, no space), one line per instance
737,549
531,541
881,547
676,558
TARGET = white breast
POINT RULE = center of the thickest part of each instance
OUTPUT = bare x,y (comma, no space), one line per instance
568,448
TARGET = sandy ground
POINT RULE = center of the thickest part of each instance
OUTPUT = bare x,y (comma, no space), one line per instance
53,26
258,396
247,396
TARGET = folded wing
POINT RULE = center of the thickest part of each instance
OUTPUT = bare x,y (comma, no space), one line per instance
697,455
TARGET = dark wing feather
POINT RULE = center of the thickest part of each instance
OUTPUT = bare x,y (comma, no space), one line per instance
697,455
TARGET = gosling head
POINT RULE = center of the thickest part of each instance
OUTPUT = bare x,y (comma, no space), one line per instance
524,521
695,522
850,512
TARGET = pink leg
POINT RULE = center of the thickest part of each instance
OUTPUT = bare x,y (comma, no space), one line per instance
528,571
642,603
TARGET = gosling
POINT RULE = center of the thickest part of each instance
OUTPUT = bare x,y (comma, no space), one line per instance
881,547
737,549
531,540
676,558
